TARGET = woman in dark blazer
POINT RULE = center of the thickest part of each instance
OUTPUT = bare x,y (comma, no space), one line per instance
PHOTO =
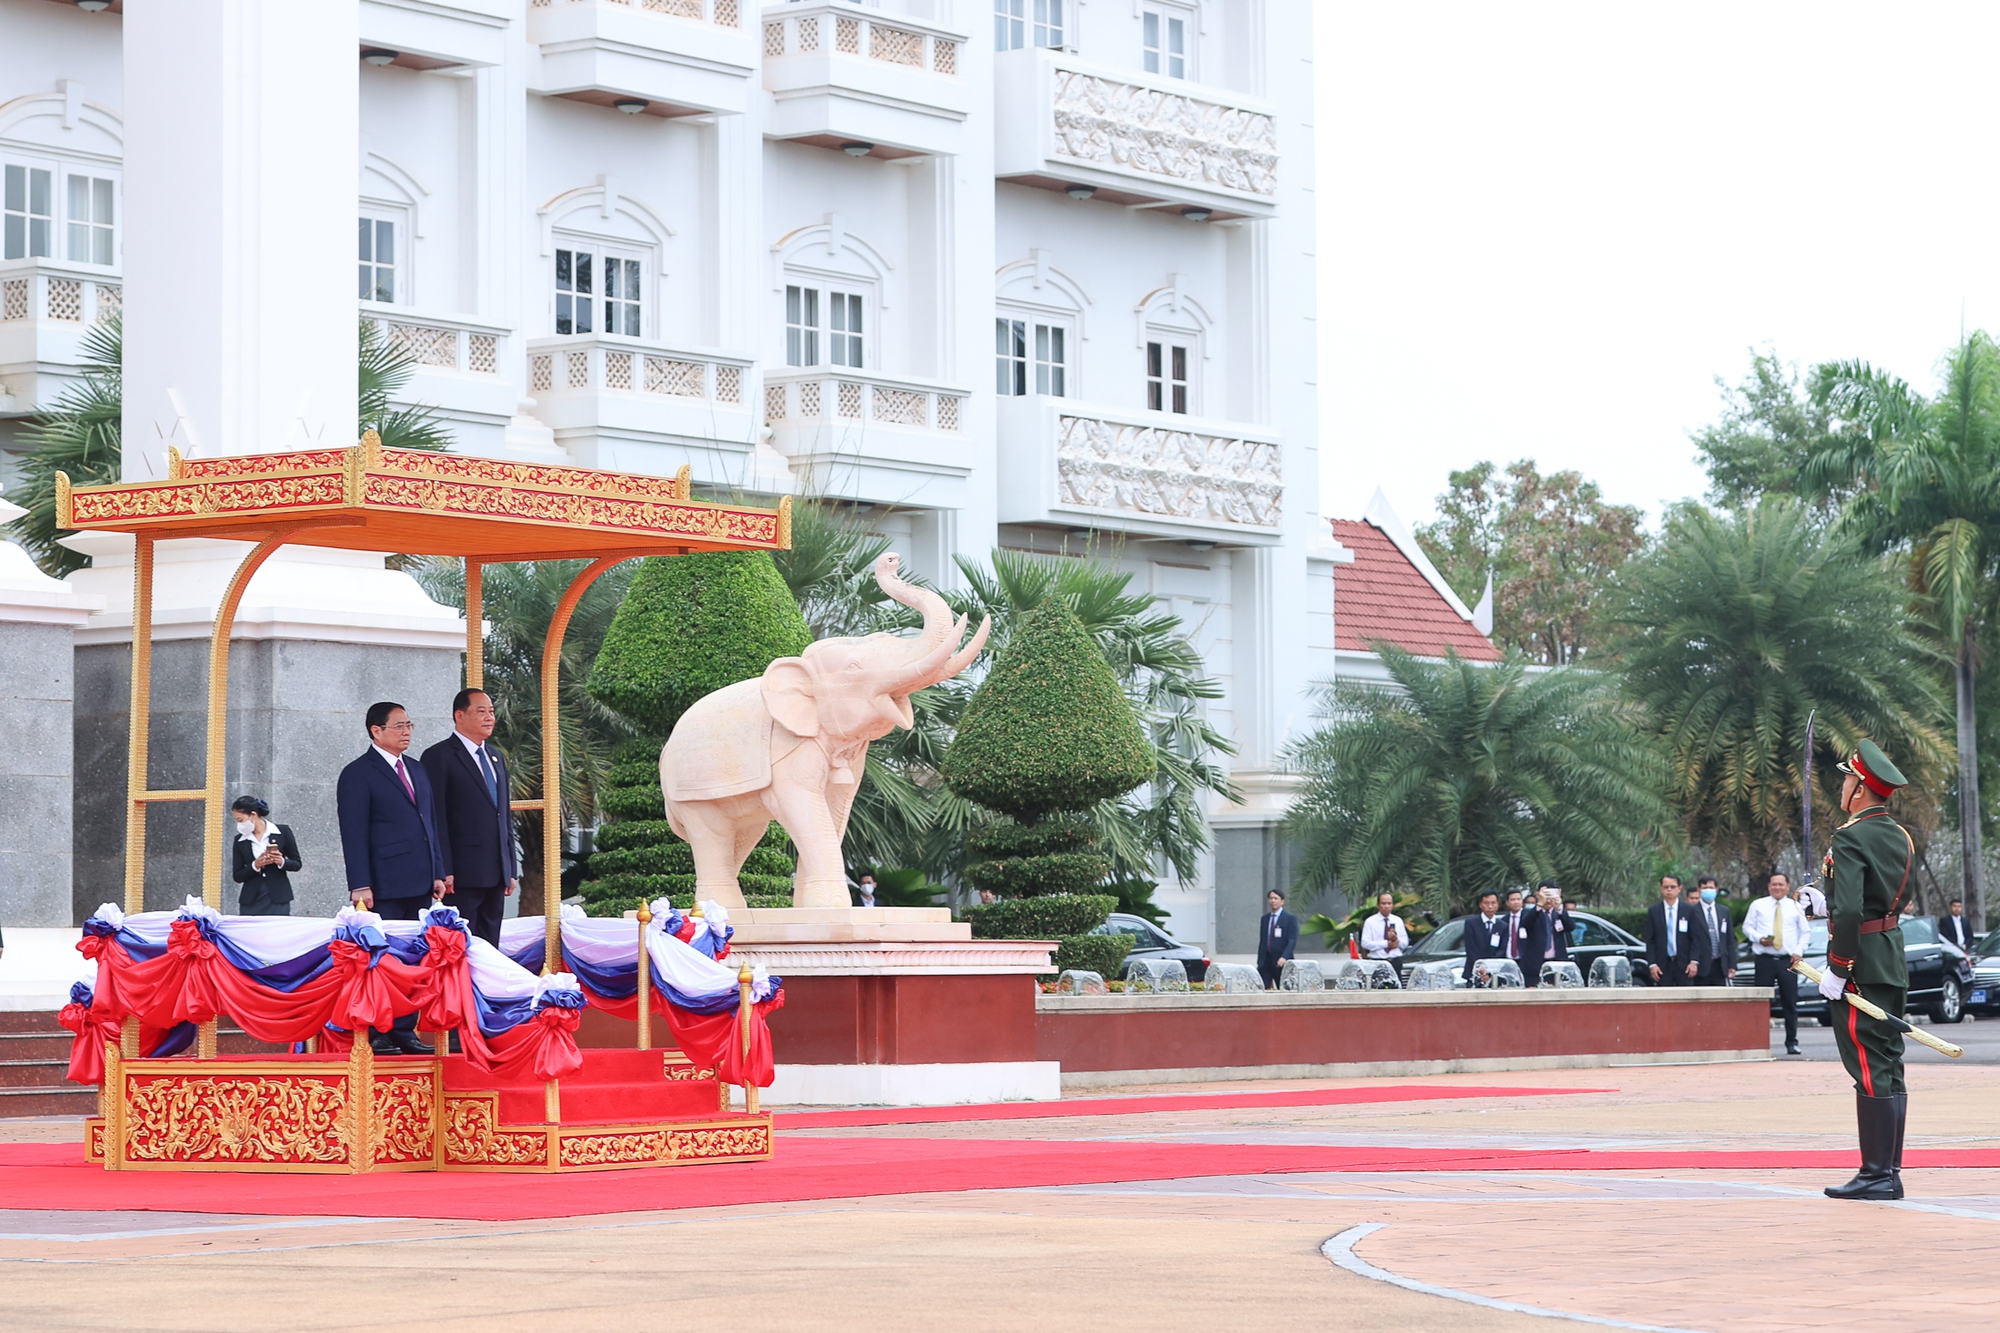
266,854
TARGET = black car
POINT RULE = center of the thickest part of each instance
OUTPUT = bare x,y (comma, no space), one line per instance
1149,941
1984,998
1590,938
1941,978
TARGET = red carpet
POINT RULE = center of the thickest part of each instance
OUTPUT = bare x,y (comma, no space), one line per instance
1218,1101
54,1176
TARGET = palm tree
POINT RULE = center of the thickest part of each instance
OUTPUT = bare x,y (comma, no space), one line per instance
1926,477
81,435
1461,777
1732,631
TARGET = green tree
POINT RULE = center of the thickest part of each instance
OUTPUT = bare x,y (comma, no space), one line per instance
1925,477
1760,444
1463,777
81,437
1047,735
1550,544
688,626
1732,631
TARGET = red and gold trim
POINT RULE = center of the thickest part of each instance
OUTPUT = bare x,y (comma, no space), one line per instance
1869,780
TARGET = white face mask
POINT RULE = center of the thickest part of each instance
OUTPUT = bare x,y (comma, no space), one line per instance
246,826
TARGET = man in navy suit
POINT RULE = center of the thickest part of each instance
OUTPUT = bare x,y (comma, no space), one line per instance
389,839
1548,928
1485,933
1277,939
469,780
1677,946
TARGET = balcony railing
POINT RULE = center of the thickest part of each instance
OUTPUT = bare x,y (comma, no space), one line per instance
722,13
596,365
853,398
437,343
1145,471
843,30
44,290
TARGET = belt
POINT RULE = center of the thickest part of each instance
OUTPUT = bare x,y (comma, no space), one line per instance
1885,924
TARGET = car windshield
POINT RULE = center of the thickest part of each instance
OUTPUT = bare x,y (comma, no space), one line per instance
1818,938
1990,946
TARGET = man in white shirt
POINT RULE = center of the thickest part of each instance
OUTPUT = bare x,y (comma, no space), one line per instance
1385,935
1778,935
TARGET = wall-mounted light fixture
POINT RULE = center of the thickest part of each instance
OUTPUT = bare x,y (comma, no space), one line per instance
379,55
631,106
93,6
1080,191
1197,214
857,148
1199,545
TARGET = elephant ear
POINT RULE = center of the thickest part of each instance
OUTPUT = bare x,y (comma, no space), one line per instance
789,694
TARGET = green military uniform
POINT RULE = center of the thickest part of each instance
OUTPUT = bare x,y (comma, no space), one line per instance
1867,873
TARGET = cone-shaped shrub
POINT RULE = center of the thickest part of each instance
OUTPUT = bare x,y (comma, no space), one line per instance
690,625
1048,733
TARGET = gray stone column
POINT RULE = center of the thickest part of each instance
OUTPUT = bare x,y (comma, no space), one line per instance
38,619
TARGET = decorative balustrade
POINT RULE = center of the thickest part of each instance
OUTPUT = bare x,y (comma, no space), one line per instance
586,365
439,344
857,399
843,30
722,13
43,290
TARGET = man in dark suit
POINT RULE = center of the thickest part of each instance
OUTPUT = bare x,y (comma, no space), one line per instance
1953,928
389,839
1548,933
1485,935
1721,931
469,781
1277,939
1676,941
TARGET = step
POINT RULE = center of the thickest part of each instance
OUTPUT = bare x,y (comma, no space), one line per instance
32,1073
39,1022
36,1045
613,1087
55,1099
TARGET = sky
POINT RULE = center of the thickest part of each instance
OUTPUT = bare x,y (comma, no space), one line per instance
1546,228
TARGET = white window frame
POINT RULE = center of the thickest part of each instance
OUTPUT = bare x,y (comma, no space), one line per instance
1168,338
601,249
400,267
1024,23
59,170
827,295
1156,56
92,229
1047,366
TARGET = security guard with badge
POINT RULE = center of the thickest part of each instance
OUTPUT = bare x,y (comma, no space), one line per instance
1867,874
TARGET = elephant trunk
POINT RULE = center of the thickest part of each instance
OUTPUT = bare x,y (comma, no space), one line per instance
937,616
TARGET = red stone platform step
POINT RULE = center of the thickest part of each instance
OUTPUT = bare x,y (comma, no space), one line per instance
613,1087
34,1058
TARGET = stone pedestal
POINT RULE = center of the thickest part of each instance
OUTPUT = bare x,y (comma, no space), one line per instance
38,617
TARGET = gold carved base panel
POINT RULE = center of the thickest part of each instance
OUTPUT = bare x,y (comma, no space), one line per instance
474,1141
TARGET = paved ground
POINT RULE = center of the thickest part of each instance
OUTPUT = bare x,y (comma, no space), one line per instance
1392,1251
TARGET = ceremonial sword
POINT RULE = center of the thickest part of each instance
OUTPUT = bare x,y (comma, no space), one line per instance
1875,1011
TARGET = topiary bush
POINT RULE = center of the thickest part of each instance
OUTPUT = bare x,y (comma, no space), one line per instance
1047,735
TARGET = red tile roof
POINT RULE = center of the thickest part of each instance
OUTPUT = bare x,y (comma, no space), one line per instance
1383,596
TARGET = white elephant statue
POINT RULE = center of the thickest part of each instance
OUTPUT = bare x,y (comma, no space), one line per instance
790,746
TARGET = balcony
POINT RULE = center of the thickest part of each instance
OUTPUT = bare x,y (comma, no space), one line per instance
838,74
438,34
863,436
461,364
680,57
1138,139
633,405
46,309
1072,464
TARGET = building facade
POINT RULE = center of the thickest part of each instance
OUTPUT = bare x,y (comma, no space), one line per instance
1035,274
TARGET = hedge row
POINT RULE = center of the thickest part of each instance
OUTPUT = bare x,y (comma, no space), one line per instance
1054,916
635,887
677,858
1051,837
1102,954
1033,876
635,803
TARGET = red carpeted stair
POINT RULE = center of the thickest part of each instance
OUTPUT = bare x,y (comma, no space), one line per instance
614,1087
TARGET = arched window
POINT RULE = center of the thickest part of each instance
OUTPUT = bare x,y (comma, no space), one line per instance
1173,333
1037,329
60,179
832,288
604,252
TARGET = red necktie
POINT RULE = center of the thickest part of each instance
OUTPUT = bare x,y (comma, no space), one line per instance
412,791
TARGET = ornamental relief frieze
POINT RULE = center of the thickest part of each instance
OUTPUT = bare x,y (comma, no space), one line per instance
291,1120
1168,473
1164,134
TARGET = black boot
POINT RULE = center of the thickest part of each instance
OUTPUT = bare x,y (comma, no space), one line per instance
1902,1100
1875,1121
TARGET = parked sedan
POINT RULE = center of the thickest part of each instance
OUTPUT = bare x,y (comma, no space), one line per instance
1985,997
1590,938
1149,941
1940,976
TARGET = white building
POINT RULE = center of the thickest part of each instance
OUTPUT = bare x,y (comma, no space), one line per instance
1029,273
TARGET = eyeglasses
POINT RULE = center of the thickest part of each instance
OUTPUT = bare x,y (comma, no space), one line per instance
397,726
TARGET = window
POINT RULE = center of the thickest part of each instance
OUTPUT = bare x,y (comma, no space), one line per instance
30,212
90,222
843,327
1012,28
378,260
1167,377
598,292
1014,364
1165,42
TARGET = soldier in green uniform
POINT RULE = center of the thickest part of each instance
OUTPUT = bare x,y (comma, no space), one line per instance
1867,874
